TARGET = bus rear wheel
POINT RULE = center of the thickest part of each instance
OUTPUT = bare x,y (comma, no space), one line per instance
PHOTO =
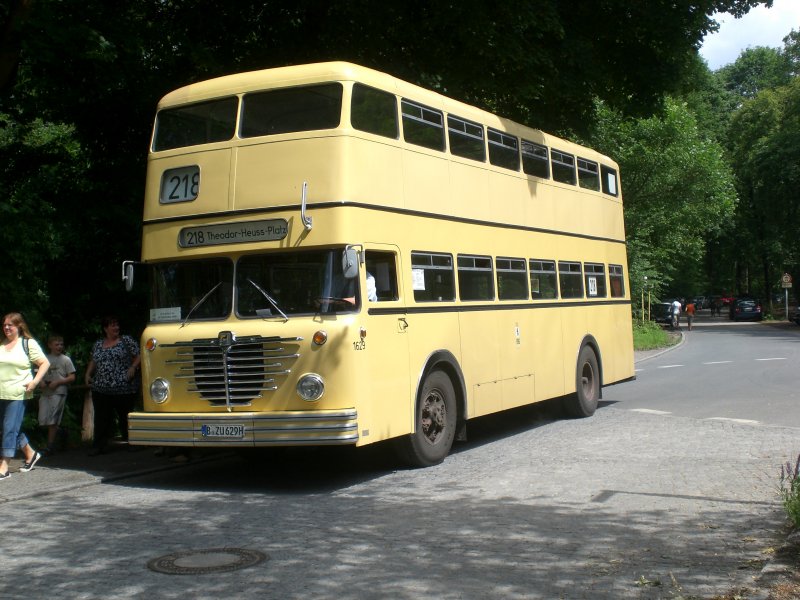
583,403
435,423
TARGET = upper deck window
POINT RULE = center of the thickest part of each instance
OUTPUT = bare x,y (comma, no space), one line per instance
194,124
423,126
287,110
534,160
466,138
563,166
374,111
588,176
610,186
503,150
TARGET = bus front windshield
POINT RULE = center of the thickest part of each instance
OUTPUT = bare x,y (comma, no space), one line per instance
279,285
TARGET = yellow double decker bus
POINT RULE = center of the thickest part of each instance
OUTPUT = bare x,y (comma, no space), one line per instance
336,256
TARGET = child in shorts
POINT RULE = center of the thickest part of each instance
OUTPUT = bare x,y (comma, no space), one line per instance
54,389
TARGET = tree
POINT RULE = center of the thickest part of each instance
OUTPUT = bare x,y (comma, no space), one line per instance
91,72
677,190
765,151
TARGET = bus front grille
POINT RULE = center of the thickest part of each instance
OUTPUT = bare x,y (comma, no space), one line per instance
230,371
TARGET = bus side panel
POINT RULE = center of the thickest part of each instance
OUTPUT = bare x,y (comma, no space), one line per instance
617,345
379,172
516,343
547,353
508,198
269,174
481,361
468,181
426,183
386,411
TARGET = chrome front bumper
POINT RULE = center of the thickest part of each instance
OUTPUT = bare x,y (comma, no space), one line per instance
286,428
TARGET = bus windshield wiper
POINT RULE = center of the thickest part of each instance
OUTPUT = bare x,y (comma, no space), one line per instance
199,302
269,298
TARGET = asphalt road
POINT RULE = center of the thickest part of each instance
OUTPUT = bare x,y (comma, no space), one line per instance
740,371
645,500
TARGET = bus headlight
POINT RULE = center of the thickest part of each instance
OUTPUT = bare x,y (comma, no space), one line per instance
310,387
159,390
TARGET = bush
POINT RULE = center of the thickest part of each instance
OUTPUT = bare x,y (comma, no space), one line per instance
790,490
648,335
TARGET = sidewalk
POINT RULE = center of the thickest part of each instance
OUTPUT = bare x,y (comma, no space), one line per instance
74,468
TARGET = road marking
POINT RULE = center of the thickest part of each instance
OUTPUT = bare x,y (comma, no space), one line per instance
669,366
650,411
740,421
776,358
718,362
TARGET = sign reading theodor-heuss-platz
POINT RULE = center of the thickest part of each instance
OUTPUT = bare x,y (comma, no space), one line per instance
233,233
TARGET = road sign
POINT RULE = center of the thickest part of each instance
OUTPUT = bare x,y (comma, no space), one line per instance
786,280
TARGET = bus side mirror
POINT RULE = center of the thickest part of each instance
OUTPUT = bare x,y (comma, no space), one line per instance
127,274
350,263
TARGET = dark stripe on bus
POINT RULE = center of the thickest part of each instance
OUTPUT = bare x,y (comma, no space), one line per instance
408,310
403,211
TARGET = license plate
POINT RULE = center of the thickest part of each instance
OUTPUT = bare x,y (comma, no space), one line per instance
225,431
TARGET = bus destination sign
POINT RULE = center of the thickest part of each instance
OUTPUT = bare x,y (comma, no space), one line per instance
233,233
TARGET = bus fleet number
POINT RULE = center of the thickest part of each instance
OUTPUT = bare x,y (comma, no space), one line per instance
184,187
360,345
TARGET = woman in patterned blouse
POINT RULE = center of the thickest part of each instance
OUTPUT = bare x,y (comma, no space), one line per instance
112,374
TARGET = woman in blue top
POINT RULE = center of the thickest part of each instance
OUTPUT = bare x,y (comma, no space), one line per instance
112,375
16,384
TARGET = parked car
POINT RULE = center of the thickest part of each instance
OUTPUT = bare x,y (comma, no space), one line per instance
795,316
727,299
745,309
700,302
660,312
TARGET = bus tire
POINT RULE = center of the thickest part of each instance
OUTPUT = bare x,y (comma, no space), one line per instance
435,422
583,403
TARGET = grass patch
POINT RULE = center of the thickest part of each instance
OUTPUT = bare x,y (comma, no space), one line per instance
649,335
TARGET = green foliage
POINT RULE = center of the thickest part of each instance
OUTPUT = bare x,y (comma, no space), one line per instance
790,490
79,82
648,336
764,144
677,187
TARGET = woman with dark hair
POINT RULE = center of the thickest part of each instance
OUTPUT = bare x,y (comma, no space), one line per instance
18,352
112,375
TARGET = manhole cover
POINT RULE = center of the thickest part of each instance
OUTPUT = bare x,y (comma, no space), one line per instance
213,560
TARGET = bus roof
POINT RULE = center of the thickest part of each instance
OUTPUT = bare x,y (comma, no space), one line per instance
241,83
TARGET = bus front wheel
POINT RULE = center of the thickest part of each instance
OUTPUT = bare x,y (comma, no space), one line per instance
435,423
583,403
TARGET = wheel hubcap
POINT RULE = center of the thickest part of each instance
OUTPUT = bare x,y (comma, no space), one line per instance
587,380
434,416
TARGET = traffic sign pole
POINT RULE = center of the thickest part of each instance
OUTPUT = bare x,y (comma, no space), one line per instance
786,283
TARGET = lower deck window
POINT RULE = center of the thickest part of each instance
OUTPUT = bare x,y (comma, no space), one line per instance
432,276
570,280
617,281
512,279
475,278
595,276
543,279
